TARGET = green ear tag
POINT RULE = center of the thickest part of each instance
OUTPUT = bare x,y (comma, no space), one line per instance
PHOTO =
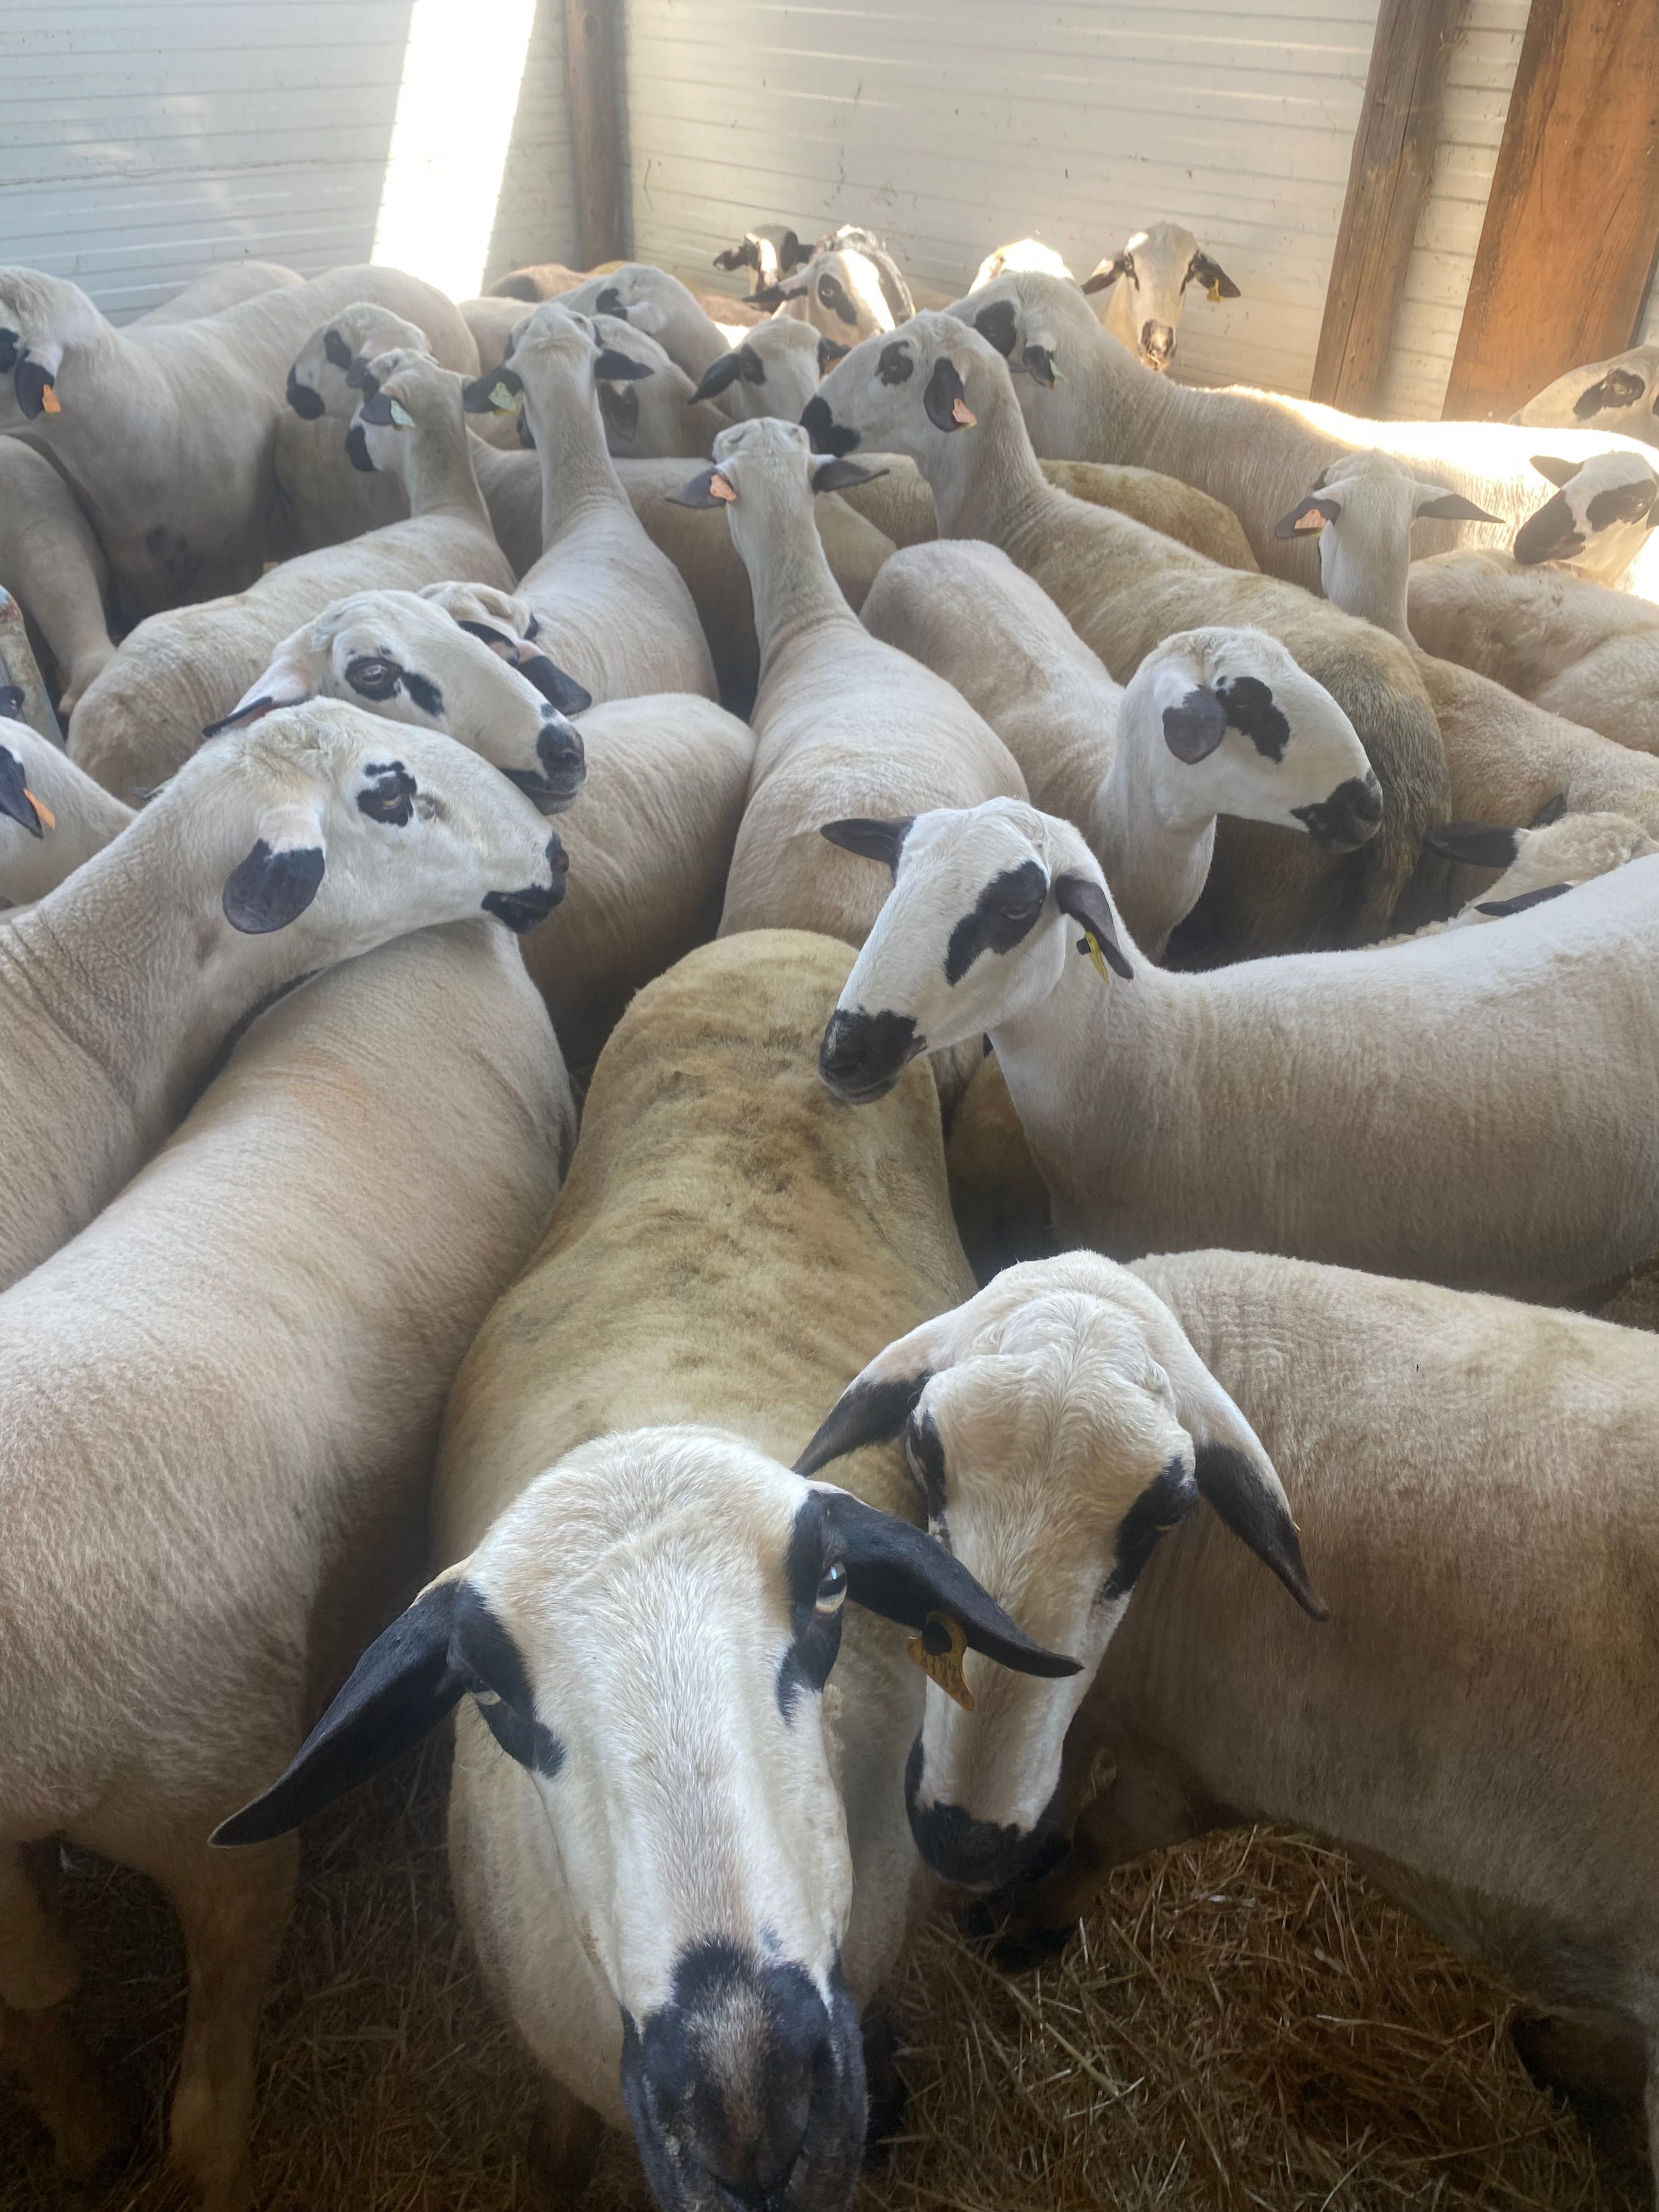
401,416
1091,943
503,401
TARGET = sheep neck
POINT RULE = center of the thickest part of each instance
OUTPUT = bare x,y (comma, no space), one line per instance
1373,587
789,575
578,474
1155,857
437,470
985,481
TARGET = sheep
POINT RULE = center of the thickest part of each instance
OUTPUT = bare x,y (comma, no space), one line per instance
20,682
1254,451
492,323
1327,1105
1598,521
52,564
166,431
215,289
325,377
655,414
215,1484
1143,773
845,294
775,370
1145,287
52,815
1506,756
1535,865
1025,254
693,1852
1615,394
179,672
941,393
1472,1480
772,250
311,837
648,298
1572,646
612,609
325,500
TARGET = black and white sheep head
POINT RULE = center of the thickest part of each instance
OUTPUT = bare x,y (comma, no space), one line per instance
772,250
844,295
403,396
326,376
992,906
402,657
648,299
1361,508
1041,325
1599,517
916,391
1228,723
1056,1426
355,833
507,625
558,362
1619,393
647,1635
773,371
763,472
642,399
1145,288
41,318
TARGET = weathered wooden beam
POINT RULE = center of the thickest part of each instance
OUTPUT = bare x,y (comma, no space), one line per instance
593,90
1568,243
1388,175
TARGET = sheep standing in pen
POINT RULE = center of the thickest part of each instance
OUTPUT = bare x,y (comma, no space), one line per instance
1144,288
649,300
941,393
182,671
276,851
1620,393
219,1408
611,610
51,563
52,815
166,431
326,500
1474,1483
1471,1107
677,1839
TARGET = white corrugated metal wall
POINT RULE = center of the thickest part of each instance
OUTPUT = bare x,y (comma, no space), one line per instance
149,139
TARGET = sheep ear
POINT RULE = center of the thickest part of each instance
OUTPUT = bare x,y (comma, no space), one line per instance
1452,507
621,410
838,473
1105,273
1308,520
559,689
260,700
500,391
947,397
1212,277
1481,844
17,800
830,350
1522,900
715,378
399,1691
1559,473
870,1410
1082,898
282,875
11,701
870,839
613,367
901,1573
1551,811
709,488
1195,725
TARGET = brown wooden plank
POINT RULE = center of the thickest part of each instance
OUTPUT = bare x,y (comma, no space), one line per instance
1567,246
1388,175
592,76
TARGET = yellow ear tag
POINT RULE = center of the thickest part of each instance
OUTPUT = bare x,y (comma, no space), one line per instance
401,416
1095,954
40,808
1214,292
503,401
938,1651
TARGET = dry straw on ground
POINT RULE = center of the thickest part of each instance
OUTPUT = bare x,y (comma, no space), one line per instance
1244,2023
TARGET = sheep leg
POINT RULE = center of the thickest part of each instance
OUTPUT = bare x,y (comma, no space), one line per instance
90,2126
563,2148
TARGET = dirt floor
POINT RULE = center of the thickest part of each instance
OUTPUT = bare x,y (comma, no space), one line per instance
1243,2023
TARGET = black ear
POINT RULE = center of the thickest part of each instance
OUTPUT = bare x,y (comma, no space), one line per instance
401,1688
865,1413
1308,520
1620,387
839,474
1082,898
1559,473
558,688
746,256
947,397
1452,507
610,302
870,839
621,410
356,373
1522,900
1258,1518
1211,276
1193,729
1482,844
1549,534
32,383
376,409
700,492
270,889
1106,272
998,325
717,376
496,393
11,701
1551,811
335,349
830,350
613,367
14,801
902,1574
239,717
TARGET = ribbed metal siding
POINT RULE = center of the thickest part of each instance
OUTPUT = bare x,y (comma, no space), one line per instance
953,126
149,139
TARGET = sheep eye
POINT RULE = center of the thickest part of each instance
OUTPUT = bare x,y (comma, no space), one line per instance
389,799
374,679
832,1589
1024,909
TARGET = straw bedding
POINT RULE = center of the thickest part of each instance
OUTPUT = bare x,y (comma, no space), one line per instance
1243,2023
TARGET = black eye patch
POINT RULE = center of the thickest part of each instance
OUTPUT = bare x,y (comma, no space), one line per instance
10,347
424,693
825,434
1620,387
481,1648
372,677
1006,910
805,1667
611,302
998,324
335,349
895,365
1169,1498
390,797
832,294
1249,707
620,406
752,366
1624,503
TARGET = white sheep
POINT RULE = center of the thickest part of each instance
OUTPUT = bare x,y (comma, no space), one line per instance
677,1838
1024,254
220,1406
1468,1107
648,298
1472,1482
1254,451
941,393
275,851
1619,393
1145,289
773,370
653,413
52,815
326,499
1598,522
215,289
1213,722
179,672
166,431
845,294
612,610
51,563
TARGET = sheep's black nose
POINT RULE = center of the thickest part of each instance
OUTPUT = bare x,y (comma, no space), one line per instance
863,1055
1158,343
1347,818
560,750
306,402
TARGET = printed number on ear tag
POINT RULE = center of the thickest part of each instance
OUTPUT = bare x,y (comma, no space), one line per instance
401,416
1214,292
48,818
1091,945
938,1651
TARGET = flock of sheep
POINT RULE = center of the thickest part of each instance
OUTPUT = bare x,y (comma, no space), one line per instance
980,834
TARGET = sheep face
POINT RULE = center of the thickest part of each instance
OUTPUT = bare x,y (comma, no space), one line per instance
840,294
400,392
39,317
360,833
399,656
326,376
1361,508
1600,516
906,393
988,904
647,1634
773,372
1056,1426
1245,731
558,361
1144,289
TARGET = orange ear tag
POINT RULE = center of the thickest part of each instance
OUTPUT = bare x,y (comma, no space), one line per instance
40,808
1095,954
50,402
938,1651
719,488
1310,524
962,415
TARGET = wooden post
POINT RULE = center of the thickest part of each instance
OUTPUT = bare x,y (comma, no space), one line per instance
1393,161
593,88
1567,246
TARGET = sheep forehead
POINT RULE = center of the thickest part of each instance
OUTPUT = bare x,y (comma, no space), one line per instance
979,840
765,433
366,322
23,297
